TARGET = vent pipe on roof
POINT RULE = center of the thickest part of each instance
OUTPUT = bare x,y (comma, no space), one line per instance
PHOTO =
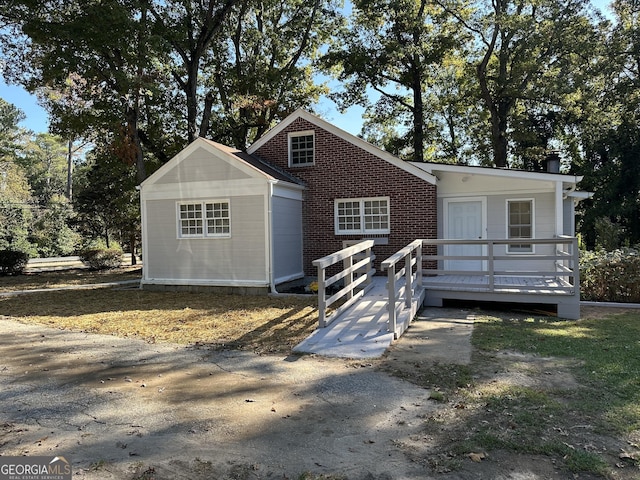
552,162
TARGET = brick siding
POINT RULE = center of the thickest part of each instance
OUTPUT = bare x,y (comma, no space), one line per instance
342,170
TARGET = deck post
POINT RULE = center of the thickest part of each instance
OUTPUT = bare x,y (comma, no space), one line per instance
348,280
408,280
322,299
391,291
419,266
369,268
491,266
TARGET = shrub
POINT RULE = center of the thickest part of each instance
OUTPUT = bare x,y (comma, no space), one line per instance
101,258
12,262
610,276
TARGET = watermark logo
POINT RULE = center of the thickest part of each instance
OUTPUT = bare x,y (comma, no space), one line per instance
35,468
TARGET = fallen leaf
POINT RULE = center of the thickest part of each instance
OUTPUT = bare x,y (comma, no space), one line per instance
477,457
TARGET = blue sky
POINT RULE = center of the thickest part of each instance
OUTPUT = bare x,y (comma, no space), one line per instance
38,121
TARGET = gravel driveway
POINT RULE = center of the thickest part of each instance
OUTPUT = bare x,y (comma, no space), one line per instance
123,408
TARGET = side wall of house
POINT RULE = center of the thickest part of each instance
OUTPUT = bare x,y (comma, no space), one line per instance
287,237
237,260
341,171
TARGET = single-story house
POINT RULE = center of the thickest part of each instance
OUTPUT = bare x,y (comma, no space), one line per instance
214,216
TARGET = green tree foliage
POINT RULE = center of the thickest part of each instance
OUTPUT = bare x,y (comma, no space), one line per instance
57,41
107,210
165,72
394,48
609,134
262,67
44,159
527,59
15,210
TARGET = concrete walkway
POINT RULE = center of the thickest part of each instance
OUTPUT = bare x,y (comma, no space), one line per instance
360,332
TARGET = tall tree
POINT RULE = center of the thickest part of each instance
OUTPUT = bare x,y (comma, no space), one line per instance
529,55
15,194
65,46
393,48
262,69
189,29
608,133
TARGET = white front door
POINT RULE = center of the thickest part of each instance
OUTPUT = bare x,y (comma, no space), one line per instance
465,220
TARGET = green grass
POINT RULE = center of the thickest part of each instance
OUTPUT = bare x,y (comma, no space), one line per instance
603,355
607,354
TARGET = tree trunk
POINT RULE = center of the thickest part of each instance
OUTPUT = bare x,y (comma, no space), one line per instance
132,248
418,117
70,171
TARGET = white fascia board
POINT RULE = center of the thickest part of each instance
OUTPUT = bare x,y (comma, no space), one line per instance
287,190
580,195
358,142
433,168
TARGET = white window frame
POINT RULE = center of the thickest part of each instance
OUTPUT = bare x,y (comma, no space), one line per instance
531,248
203,220
362,216
293,135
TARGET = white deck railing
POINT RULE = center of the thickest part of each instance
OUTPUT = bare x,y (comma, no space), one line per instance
353,278
403,282
560,263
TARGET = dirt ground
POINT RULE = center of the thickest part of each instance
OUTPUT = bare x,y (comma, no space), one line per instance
126,409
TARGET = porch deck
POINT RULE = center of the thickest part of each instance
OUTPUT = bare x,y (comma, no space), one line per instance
377,310
501,284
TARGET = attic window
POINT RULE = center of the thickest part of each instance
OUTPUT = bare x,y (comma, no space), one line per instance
301,149
208,219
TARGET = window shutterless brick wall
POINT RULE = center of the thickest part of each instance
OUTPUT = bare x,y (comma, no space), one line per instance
342,170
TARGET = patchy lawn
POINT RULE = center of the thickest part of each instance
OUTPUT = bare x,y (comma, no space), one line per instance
67,278
541,388
261,323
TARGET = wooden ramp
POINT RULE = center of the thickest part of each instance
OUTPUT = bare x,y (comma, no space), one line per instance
362,331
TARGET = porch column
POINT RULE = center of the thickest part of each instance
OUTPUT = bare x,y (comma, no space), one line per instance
559,209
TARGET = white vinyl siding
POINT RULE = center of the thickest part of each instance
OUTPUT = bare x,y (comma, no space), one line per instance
301,149
520,224
201,166
287,238
362,215
241,258
207,219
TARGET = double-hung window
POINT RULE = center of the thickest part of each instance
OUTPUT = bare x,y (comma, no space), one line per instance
362,215
301,149
520,216
207,219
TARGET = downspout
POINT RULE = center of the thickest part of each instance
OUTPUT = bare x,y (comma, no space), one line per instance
271,273
143,232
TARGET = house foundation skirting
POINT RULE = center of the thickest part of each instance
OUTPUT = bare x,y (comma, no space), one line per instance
222,290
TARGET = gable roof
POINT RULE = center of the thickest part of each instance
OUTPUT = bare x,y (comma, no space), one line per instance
267,169
251,164
358,142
